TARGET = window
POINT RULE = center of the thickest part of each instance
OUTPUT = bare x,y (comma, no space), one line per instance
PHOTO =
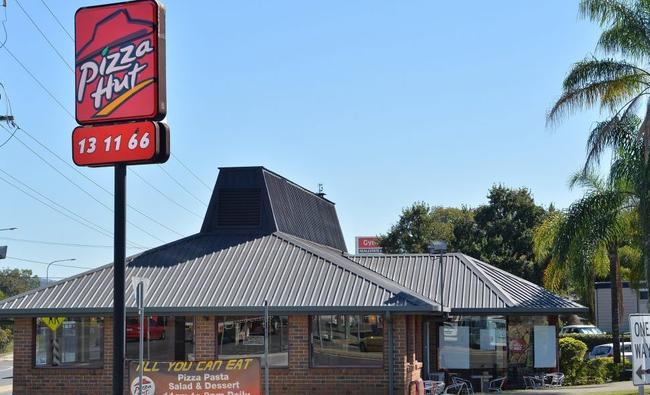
347,340
77,342
165,338
473,342
244,336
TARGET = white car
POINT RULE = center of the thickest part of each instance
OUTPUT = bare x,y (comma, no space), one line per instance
582,329
607,350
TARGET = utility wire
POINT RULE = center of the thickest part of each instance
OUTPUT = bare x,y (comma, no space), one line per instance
55,243
44,36
38,82
57,20
97,184
105,231
191,172
181,185
163,194
47,263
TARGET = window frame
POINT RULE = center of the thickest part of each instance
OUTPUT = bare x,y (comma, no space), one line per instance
361,315
96,365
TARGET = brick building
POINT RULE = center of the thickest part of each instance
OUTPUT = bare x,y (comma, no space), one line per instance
338,323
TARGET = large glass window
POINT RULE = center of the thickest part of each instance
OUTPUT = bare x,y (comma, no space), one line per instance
66,341
473,342
347,340
165,338
244,336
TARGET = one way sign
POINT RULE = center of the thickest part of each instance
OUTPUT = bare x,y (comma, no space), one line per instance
640,337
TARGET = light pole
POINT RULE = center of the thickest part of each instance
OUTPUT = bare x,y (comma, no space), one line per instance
47,270
439,246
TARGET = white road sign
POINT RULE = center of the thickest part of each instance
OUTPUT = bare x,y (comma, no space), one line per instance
640,337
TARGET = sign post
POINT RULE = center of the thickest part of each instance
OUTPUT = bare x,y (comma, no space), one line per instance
640,339
120,95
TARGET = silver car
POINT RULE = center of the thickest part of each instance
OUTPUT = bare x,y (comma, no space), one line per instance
607,350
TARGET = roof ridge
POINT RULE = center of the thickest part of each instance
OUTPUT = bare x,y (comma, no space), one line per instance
293,183
506,295
355,267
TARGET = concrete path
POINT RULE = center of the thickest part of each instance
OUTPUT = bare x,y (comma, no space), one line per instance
582,389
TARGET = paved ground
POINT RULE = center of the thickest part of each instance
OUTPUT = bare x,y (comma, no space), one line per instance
6,373
584,389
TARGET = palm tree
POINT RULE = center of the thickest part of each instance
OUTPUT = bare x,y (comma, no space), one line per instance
589,234
617,83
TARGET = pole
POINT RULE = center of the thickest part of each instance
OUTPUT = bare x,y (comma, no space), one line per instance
266,347
391,357
141,312
442,283
119,258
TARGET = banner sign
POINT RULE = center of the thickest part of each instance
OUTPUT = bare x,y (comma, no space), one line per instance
129,143
368,245
222,376
120,62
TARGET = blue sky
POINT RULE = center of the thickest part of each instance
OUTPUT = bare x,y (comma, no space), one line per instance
385,103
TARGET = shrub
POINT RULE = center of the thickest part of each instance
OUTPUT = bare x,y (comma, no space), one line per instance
572,354
5,339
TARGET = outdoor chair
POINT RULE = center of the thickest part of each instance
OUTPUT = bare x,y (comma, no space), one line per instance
554,379
456,388
434,387
533,382
468,384
496,385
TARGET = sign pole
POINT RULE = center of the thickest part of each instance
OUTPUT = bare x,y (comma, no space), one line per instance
119,263
141,311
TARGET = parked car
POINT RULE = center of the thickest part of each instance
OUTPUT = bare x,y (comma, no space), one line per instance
152,329
607,350
582,329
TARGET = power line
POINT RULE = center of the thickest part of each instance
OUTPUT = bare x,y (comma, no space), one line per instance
97,184
181,186
38,82
191,172
82,189
164,195
47,263
55,243
44,36
57,20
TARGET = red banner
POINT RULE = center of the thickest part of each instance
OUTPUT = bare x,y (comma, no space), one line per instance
119,62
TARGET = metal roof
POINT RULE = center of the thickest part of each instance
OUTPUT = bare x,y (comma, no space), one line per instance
469,285
216,273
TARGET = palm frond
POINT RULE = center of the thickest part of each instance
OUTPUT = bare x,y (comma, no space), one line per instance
613,134
607,12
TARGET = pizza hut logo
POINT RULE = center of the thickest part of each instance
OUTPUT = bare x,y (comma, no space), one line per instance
118,60
148,386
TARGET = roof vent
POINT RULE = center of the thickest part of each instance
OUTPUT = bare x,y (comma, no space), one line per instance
239,207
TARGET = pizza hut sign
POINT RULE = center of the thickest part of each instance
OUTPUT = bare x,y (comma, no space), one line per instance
119,62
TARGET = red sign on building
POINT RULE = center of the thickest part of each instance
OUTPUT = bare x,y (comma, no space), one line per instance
119,62
368,245
128,143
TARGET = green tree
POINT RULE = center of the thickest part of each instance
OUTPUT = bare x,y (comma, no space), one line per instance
504,230
15,281
579,242
618,84
420,224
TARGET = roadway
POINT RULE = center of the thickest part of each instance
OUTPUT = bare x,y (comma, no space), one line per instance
6,373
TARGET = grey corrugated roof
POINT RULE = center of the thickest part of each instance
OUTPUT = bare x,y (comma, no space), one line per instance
212,273
469,285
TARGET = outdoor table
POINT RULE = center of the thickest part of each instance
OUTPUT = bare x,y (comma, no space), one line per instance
485,380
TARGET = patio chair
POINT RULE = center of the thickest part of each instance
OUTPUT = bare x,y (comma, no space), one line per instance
533,382
496,385
434,387
468,384
555,379
456,388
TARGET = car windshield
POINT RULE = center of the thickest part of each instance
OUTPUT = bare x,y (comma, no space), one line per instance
601,350
591,331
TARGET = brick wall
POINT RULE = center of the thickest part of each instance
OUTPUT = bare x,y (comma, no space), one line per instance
57,381
297,378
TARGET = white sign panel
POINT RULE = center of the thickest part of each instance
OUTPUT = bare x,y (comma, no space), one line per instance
640,337
545,350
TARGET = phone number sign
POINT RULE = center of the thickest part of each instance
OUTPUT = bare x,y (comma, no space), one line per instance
119,62
128,143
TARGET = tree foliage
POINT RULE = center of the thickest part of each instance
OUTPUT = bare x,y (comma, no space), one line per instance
15,281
